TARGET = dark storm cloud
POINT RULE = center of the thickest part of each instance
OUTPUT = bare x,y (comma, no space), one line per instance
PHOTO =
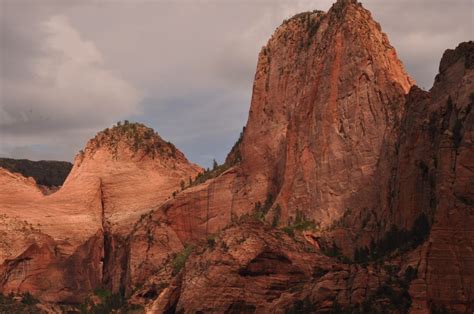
71,68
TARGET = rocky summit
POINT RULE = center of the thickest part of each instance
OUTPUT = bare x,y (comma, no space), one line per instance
350,190
57,246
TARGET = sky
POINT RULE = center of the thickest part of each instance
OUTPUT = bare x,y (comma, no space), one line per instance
71,68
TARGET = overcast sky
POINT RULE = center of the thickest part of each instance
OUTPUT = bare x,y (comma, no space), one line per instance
69,69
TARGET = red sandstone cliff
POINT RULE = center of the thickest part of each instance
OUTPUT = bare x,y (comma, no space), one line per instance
435,176
333,138
327,104
328,92
349,189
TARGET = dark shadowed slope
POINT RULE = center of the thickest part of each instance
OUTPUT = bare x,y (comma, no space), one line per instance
45,172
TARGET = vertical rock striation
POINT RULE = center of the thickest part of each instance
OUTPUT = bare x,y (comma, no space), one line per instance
328,94
327,103
435,178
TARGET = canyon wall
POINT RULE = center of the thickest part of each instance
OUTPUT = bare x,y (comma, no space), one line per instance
350,186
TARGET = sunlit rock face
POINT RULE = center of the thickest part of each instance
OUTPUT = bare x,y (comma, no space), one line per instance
328,93
337,133
327,104
63,245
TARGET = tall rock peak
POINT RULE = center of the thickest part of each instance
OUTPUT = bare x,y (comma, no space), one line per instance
453,67
463,50
326,84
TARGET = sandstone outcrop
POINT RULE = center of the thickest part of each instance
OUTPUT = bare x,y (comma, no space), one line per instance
250,267
127,159
350,189
435,176
59,247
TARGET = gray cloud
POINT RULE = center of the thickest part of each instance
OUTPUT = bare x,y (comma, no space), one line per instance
69,69
54,82
422,30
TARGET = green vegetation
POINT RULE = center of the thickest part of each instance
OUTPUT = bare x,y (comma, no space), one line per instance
289,231
180,259
342,221
260,211
28,299
235,155
459,117
224,246
312,25
438,309
395,239
335,251
458,128
102,293
361,255
457,133
109,303
301,307
211,241
138,137
302,17
209,174
276,216
233,158
301,223
399,299
319,272
391,297
410,274
433,128
310,22
24,303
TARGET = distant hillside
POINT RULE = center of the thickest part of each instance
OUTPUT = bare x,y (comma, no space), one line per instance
45,172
